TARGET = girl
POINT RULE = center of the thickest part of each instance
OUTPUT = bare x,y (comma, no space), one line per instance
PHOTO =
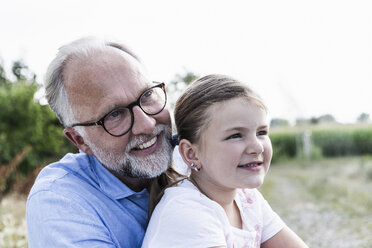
223,131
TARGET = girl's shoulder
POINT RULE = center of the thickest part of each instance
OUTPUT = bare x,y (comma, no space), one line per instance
185,210
184,201
185,193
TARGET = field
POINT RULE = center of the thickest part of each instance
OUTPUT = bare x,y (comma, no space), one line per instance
12,222
327,202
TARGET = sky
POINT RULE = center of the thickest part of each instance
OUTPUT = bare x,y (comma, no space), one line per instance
304,58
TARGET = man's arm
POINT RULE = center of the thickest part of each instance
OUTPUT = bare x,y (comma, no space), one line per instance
57,221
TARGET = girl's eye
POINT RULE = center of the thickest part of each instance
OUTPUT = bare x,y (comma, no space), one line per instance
263,132
235,136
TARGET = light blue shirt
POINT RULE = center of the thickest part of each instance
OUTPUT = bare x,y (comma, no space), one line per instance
76,202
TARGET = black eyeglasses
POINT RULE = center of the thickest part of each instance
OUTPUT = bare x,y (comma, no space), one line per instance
120,120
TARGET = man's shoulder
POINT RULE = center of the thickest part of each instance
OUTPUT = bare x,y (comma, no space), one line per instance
71,170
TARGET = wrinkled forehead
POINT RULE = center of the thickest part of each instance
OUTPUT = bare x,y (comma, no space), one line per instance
101,76
92,63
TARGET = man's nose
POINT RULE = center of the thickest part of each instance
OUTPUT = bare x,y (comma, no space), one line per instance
143,123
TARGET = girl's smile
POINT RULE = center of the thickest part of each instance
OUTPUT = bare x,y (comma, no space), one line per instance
252,166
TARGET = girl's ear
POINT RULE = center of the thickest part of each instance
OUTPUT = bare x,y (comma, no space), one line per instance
188,153
73,136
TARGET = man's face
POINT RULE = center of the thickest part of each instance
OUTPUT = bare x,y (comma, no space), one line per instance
97,85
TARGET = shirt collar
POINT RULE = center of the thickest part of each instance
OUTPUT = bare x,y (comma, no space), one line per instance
109,183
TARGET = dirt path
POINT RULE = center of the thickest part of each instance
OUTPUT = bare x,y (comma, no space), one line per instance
319,207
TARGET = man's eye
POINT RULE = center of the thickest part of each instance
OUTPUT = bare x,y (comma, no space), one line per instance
117,114
114,114
148,93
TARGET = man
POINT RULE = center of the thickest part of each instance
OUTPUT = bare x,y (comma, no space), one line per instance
117,118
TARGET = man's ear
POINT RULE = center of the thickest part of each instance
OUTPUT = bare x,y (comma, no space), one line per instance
74,136
189,153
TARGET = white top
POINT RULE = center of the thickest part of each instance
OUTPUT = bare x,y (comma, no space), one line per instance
187,218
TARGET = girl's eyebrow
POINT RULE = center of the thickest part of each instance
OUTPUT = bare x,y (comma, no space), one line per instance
263,127
235,128
240,128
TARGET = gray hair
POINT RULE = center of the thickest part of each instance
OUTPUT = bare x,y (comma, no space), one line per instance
55,91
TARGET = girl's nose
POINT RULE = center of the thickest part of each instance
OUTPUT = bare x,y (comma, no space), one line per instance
143,123
255,146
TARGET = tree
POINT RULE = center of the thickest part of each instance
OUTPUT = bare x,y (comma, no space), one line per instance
278,122
327,118
302,122
177,85
21,71
2,75
363,118
27,126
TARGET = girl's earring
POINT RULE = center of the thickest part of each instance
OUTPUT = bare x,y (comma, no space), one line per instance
194,167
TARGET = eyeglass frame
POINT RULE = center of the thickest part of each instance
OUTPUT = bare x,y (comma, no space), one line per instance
130,106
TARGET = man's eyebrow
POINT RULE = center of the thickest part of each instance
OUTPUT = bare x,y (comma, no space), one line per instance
110,108
114,106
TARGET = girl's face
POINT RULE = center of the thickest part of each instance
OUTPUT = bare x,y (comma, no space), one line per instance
235,149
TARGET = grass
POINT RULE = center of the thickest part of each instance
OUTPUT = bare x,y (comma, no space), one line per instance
13,232
327,202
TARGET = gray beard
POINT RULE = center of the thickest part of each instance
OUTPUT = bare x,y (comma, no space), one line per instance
131,166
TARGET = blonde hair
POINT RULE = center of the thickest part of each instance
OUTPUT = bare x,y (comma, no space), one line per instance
191,113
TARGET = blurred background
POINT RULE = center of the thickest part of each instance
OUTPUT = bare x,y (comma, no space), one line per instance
309,60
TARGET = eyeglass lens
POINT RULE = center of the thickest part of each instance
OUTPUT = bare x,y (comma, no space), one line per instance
152,101
119,121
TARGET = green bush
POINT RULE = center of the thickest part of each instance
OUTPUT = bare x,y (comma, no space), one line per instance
285,145
325,142
30,134
362,138
25,122
334,142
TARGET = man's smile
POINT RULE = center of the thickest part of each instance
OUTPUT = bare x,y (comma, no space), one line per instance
147,144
